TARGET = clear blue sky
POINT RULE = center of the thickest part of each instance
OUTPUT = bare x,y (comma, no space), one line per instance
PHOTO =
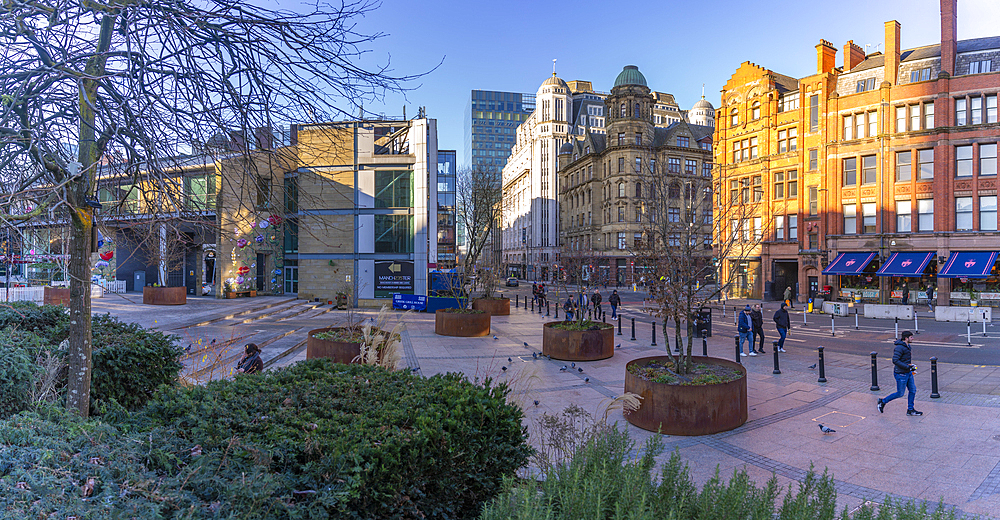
678,46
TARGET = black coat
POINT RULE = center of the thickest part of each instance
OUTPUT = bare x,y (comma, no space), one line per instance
614,299
781,319
758,320
901,357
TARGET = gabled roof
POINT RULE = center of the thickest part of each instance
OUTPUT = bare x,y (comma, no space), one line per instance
930,51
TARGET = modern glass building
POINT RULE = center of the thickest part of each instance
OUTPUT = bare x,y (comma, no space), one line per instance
446,205
491,119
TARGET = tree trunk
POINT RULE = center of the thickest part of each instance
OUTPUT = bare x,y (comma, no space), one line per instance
80,364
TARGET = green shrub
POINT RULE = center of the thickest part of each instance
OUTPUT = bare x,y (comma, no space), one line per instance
19,368
363,442
49,321
131,362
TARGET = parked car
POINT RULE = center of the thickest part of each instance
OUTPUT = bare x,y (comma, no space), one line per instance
511,282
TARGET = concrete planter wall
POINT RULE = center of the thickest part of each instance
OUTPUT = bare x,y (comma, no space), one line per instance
493,306
578,345
339,351
463,325
55,296
688,410
164,295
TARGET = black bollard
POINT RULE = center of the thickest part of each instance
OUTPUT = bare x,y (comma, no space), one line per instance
736,340
548,308
619,324
822,367
704,342
653,344
532,305
776,370
557,310
874,387
633,329
602,318
517,301
539,307
934,382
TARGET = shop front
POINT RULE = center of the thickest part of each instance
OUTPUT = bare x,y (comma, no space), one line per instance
916,271
975,278
855,274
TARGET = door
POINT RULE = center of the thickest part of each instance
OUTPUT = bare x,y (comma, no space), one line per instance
261,271
140,281
813,286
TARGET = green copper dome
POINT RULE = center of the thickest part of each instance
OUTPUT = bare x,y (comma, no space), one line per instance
630,75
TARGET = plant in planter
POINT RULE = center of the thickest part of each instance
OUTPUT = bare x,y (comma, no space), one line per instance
374,343
464,323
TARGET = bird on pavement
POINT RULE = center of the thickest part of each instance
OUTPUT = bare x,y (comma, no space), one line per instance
572,365
586,380
536,402
580,370
564,368
510,360
812,366
526,343
495,336
824,429
618,345
503,368
534,355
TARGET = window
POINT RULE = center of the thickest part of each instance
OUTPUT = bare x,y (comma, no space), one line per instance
779,185
638,190
779,227
758,231
734,117
914,117
393,189
793,227
988,213
963,213
813,201
621,213
393,233
621,240
263,192
199,192
744,190
848,125
963,161
976,106
690,166
755,110
621,164
621,138
673,214
813,160
292,191
865,84
786,140
928,116
734,191
920,75
624,111
753,147
652,166
988,159
674,190
758,189
638,165
925,163
850,219
638,138
674,165
960,112
638,214
903,216
813,113
706,169
621,189
792,183
872,124
901,119
903,170
684,142
868,217
979,67
291,276
788,102
991,109
868,169
851,171
925,215
637,239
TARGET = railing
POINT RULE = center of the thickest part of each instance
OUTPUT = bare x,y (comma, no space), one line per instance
113,286
23,294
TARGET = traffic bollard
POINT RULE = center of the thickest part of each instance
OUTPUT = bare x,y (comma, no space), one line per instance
968,332
619,324
856,319
704,342
934,381
916,328
805,317
633,329
874,387
548,308
832,331
557,310
532,305
897,328
654,335
736,339
984,327
602,318
774,345
517,301
822,367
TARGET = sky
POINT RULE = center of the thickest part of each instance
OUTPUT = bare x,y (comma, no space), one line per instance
678,46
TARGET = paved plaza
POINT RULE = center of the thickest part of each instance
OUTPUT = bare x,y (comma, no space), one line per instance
952,453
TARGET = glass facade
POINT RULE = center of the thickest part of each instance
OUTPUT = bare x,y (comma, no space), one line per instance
491,119
446,205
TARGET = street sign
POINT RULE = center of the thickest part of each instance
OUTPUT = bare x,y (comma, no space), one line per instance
393,277
417,302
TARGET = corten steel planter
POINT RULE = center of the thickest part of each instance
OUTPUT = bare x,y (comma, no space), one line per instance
578,345
56,295
339,351
688,410
463,325
164,295
493,306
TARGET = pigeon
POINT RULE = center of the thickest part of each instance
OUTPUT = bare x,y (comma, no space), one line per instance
526,343
824,429
536,402
495,336
572,365
618,345
564,368
414,369
580,370
509,360
534,355
586,380
812,366
503,368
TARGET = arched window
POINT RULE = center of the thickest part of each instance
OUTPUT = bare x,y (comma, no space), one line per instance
638,189
675,191
638,111
621,189
623,110
755,110
734,117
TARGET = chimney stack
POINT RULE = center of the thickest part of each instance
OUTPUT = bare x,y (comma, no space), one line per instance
891,51
826,57
949,33
853,55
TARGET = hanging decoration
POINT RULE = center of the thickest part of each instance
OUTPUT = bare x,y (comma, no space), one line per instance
242,243
259,239
274,220
243,270
263,224
107,255
246,250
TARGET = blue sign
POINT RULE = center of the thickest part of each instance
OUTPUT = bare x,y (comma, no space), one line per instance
409,302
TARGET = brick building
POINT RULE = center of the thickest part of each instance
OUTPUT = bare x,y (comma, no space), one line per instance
868,176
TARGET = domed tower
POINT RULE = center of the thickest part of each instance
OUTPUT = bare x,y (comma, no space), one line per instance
554,102
629,109
702,113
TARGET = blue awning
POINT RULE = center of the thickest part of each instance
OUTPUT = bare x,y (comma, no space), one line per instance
968,264
849,263
908,263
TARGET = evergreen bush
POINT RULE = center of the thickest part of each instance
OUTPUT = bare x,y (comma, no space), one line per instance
19,368
131,362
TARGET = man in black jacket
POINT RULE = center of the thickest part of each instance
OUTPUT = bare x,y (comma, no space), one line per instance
758,327
782,322
903,371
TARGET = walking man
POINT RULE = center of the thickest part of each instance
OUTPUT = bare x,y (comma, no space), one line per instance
758,328
615,301
788,296
596,299
744,325
906,294
782,322
903,371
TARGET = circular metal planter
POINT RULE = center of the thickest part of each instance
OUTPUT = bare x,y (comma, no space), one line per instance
164,295
578,345
461,324
688,410
493,306
339,351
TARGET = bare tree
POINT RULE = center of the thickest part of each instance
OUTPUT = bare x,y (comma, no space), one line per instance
98,89
480,207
